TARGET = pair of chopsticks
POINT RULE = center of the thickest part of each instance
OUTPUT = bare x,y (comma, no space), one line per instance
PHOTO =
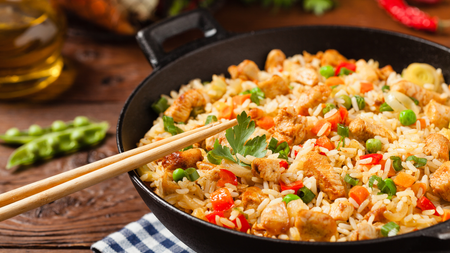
42,192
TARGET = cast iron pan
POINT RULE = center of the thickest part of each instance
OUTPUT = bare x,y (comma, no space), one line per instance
212,55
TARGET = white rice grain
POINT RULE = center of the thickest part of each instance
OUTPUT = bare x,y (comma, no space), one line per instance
263,205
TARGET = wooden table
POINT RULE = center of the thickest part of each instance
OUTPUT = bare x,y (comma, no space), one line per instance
108,72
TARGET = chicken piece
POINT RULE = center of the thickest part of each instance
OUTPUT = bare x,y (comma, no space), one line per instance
294,206
438,146
423,95
212,175
252,197
168,185
341,210
365,71
256,113
182,159
315,225
209,142
181,108
310,57
365,231
332,57
274,86
364,130
275,219
274,61
289,127
205,165
440,181
305,75
438,114
384,72
246,70
328,181
267,169
377,213
312,97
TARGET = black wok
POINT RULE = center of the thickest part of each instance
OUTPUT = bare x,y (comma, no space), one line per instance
212,55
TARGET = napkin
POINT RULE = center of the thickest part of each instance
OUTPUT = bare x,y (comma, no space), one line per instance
145,235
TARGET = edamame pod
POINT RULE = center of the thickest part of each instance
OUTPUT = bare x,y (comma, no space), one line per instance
16,136
51,144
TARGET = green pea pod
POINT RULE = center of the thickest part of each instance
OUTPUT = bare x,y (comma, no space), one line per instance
51,144
23,136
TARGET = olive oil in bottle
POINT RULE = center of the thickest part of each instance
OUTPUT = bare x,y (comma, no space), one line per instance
31,37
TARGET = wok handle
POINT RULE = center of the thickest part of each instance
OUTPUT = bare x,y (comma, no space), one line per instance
151,38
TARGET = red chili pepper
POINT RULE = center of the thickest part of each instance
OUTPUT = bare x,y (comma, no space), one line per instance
284,164
221,199
427,1
347,65
376,158
425,204
411,16
292,186
226,176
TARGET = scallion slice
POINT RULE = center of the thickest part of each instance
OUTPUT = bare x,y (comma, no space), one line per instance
343,130
385,108
169,126
418,162
351,180
306,194
396,163
192,174
160,106
210,119
390,229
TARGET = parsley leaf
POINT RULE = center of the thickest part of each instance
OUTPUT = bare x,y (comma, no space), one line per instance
282,149
170,127
238,138
319,7
256,95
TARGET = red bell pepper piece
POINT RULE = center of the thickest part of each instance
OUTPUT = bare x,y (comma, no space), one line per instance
244,223
347,65
212,216
284,164
221,199
292,186
425,204
226,176
376,158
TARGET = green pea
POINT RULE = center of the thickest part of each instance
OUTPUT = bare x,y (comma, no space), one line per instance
361,102
77,135
53,141
178,174
373,145
407,117
13,132
347,101
328,107
35,130
80,121
58,125
33,148
289,197
326,71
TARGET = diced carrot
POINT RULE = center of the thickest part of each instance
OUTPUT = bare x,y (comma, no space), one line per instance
366,87
404,180
334,119
315,130
415,188
265,122
391,172
359,194
423,123
334,80
225,110
240,99
446,215
343,113
324,142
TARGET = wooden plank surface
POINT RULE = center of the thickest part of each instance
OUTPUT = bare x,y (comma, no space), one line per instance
108,73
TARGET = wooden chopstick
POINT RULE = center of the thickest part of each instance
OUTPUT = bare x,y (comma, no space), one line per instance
61,185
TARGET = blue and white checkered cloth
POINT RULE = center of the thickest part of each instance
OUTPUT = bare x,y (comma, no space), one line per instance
145,235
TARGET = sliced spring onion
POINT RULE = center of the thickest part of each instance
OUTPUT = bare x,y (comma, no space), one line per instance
418,162
210,119
197,110
170,127
213,159
390,229
374,178
187,148
389,187
385,88
160,106
396,163
192,174
360,101
306,194
345,71
351,180
256,94
384,107
328,107
414,100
